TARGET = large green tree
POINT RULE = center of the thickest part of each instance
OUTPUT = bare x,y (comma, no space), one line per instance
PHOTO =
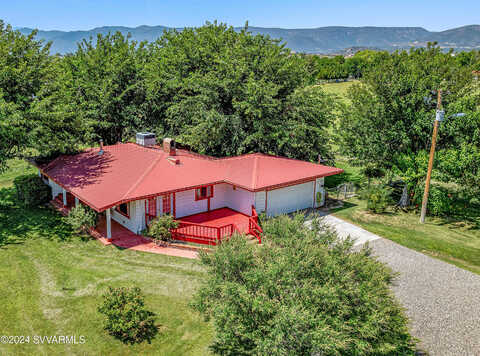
97,93
306,292
224,92
25,66
389,121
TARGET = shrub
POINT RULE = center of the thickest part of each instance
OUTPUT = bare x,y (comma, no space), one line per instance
441,201
371,171
306,292
32,190
378,198
159,228
127,318
81,218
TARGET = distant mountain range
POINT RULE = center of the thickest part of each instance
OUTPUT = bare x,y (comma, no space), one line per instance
327,40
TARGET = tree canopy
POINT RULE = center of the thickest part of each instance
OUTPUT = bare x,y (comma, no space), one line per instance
305,292
25,65
216,90
392,110
224,92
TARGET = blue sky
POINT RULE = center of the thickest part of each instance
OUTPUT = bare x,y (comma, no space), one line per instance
86,14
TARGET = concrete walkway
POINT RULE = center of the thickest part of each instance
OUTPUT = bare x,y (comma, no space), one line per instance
441,300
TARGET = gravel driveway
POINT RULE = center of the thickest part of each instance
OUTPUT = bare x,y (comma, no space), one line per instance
441,300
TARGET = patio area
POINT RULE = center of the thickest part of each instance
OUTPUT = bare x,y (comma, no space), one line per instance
206,228
126,239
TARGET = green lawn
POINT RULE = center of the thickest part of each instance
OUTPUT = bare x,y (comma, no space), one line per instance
15,168
339,89
52,282
456,242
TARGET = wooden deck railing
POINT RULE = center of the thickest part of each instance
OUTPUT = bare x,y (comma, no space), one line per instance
253,227
202,234
213,235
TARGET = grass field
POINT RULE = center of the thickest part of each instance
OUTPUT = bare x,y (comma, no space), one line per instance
453,241
15,168
339,89
52,282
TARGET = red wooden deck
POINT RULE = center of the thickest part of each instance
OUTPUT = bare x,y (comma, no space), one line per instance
211,227
220,217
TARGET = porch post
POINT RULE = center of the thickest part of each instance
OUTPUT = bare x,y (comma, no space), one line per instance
174,207
76,201
109,224
64,192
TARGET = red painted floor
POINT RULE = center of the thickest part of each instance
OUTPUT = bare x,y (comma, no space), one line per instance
220,217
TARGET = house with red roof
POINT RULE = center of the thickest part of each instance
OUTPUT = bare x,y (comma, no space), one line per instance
130,184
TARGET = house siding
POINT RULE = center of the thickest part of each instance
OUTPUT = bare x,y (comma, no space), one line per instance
223,196
220,196
240,200
136,221
56,189
260,201
187,205
290,199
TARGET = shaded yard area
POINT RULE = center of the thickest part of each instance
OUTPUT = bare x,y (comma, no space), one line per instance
52,282
339,89
454,240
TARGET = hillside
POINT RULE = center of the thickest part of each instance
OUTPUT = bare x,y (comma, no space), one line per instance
326,40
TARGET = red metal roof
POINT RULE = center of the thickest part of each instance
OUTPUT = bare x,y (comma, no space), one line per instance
126,172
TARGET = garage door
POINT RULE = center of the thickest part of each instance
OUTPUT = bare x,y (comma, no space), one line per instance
290,199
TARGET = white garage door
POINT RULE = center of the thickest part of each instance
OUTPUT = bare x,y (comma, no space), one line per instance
290,199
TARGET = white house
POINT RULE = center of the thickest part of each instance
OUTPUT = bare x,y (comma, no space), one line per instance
132,183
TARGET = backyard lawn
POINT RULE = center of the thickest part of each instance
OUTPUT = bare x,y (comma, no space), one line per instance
339,89
52,282
451,240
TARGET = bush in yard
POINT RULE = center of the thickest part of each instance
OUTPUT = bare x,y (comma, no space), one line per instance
32,190
81,218
441,201
305,292
378,198
371,171
160,228
127,318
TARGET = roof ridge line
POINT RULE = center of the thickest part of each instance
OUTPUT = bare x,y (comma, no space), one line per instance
229,158
147,171
255,173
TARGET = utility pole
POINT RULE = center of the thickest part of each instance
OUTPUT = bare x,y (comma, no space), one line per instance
439,117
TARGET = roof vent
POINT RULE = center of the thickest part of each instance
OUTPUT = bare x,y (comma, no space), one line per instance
101,148
146,139
173,160
169,146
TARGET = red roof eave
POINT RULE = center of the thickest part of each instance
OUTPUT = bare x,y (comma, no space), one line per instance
270,187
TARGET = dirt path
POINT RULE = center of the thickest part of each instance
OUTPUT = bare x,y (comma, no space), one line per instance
441,300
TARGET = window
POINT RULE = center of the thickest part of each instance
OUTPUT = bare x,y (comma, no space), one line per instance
123,209
204,192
